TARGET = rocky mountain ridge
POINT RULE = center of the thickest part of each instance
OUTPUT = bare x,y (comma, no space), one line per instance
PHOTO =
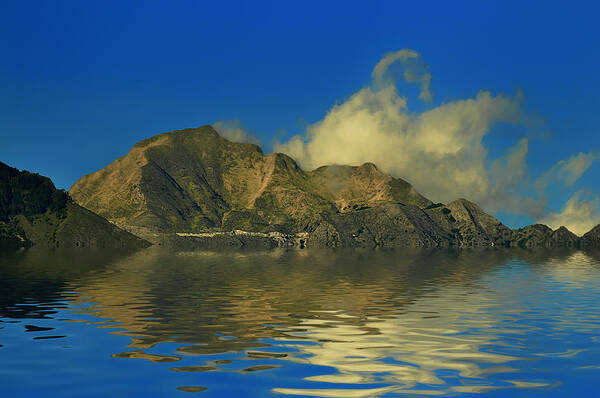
177,187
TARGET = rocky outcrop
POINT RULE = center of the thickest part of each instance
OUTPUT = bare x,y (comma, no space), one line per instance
475,228
386,225
233,240
34,212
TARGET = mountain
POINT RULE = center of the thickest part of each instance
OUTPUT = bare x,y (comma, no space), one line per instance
539,235
475,227
34,212
195,186
562,237
591,238
352,187
194,180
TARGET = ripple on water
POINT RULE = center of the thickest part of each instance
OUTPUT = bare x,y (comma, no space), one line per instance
312,323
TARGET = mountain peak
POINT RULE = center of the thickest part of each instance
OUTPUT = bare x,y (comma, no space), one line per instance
591,238
563,237
563,230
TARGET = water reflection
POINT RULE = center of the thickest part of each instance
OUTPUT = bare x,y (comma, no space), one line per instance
200,298
354,323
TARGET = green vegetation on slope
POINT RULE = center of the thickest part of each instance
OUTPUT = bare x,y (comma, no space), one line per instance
34,212
22,192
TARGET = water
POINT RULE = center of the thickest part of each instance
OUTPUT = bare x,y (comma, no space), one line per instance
505,323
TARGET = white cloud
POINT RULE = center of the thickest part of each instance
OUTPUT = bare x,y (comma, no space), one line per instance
440,151
234,131
415,71
578,215
567,171
508,174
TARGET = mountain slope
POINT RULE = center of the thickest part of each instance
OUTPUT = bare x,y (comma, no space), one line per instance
34,212
591,238
352,187
475,227
539,235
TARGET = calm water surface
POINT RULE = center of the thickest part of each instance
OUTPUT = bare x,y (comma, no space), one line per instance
300,323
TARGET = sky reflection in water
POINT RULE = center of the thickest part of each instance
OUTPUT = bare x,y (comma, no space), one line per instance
312,323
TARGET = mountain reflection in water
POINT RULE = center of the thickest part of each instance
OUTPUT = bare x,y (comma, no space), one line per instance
312,323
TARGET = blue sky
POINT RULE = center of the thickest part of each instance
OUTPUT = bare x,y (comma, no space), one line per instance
81,82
